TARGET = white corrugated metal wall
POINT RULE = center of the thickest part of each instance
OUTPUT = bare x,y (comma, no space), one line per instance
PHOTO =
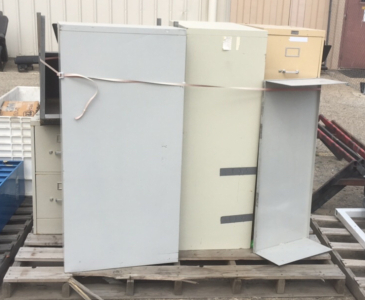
21,36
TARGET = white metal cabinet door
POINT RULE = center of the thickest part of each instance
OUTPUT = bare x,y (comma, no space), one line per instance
122,160
47,149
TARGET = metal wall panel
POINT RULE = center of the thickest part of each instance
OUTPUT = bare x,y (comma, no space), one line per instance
122,160
21,36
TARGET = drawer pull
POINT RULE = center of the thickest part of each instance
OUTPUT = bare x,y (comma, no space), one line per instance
51,199
58,200
58,152
59,185
289,72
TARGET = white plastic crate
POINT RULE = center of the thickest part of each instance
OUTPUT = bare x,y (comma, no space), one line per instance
15,133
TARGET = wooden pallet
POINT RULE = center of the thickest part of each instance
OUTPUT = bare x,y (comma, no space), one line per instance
347,253
41,260
13,235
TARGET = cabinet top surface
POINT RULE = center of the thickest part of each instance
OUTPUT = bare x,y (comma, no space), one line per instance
221,28
290,31
120,28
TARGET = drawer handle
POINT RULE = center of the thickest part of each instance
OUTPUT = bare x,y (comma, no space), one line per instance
55,152
59,185
56,200
289,72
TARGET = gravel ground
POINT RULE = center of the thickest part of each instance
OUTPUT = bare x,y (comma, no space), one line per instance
346,105
343,103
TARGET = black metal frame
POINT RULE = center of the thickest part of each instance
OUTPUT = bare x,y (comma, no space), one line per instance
3,49
49,82
353,175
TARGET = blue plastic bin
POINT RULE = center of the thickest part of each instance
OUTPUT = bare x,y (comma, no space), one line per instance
12,189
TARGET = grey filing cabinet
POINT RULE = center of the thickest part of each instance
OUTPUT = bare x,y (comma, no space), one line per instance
122,159
221,134
47,178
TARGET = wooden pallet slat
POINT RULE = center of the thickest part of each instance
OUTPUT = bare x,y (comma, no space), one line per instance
352,281
41,249
334,231
46,240
40,254
24,210
15,218
8,238
346,246
13,228
39,274
229,255
354,263
267,272
6,247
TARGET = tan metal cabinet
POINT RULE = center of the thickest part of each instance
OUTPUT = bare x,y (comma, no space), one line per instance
293,52
47,178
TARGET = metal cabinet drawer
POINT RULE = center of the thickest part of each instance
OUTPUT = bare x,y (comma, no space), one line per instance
47,149
49,196
291,57
49,226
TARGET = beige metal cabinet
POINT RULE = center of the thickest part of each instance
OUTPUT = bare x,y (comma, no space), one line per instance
221,133
293,52
47,178
48,155
49,195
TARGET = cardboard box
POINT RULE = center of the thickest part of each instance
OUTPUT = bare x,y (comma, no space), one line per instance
19,108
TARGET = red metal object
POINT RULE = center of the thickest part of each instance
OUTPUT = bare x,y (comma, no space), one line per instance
342,136
349,134
332,145
351,181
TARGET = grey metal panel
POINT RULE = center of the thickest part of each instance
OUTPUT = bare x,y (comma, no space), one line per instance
293,251
285,171
122,160
306,82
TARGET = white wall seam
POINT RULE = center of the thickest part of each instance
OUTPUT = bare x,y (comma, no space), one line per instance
80,11
125,12
140,12
95,7
185,12
49,21
170,9
19,29
111,11
35,42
